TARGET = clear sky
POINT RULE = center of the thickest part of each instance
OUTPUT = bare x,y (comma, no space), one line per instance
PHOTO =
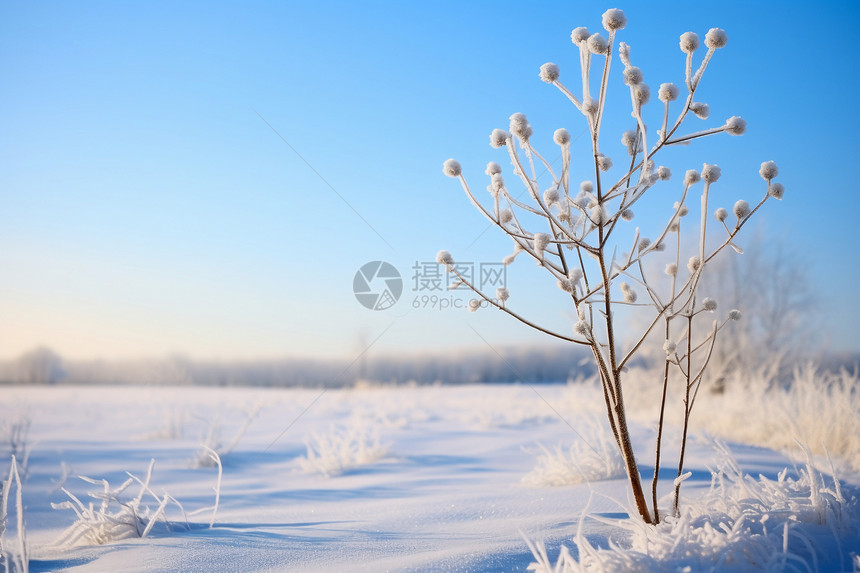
148,206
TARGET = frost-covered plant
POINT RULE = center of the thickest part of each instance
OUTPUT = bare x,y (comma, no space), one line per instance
17,559
115,517
342,449
579,463
740,524
212,442
572,232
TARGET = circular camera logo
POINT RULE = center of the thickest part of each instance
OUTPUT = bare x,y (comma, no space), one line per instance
377,285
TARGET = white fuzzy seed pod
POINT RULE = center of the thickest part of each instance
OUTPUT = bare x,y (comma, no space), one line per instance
627,214
642,94
664,173
711,173
629,293
736,125
452,168
721,214
549,72
565,285
632,76
667,92
614,19
604,163
497,182
681,209
561,136
586,187
541,240
505,215
644,243
574,275
598,215
689,42
691,176
776,191
444,258
716,38
579,35
493,168
503,294
709,304
581,327
734,314
701,110
670,347
474,305
520,126
693,264
589,106
768,170
508,260
550,196
499,138
671,269
597,44
741,209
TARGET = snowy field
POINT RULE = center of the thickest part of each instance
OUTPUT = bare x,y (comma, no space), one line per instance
432,478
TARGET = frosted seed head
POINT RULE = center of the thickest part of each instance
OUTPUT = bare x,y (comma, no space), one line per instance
667,92
641,93
581,327
681,209
709,304
549,72
664,173
565,285
574,275
736,125
671,269
499,138
693,264
604,163
689,42
444,258
550,196
452,168
721,214
629,293
614,19
589,106
493,168
644,243
701,110
632,76
497,182
586,187
579,35
508,260
741,209
541,240
768,170
503,294
520,126
776,191
628,138
505,215
670,347
716,38
598,215
474,305
674,227
659,247
711,173
597,44
561,136
627,214
691,176
734,314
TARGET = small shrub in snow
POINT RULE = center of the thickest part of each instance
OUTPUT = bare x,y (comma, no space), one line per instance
342,449
566,228
14,557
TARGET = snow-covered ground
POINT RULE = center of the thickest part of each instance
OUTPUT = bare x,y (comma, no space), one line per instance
432,478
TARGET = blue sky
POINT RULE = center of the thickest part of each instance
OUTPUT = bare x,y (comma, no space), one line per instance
147,207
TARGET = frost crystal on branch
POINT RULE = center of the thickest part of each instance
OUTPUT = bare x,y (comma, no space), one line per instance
614,19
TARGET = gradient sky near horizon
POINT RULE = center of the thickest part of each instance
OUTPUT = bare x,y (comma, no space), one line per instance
148,206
